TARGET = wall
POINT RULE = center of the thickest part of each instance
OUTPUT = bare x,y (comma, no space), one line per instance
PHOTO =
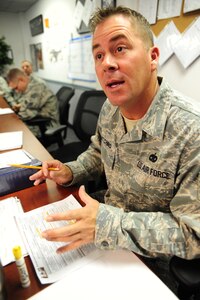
60,14
56,37
11,29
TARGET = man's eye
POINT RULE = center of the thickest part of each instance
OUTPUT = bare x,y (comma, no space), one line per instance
120,49
98,56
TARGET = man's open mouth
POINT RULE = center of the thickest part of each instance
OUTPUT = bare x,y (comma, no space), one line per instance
114,83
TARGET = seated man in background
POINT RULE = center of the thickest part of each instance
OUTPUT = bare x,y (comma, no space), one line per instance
32,98
27,67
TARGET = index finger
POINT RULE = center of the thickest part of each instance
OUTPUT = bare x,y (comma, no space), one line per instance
47,167
71,216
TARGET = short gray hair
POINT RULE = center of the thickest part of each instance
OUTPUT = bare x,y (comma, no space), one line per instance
138,21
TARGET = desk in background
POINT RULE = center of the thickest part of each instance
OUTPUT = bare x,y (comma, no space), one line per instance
115,275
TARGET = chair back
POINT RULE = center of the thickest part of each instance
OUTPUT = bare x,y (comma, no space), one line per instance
64,95
87,113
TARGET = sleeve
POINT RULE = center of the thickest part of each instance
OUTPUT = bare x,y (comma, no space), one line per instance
31,101
158,233
7,92
9,98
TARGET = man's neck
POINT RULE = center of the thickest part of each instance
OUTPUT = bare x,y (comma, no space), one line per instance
139,109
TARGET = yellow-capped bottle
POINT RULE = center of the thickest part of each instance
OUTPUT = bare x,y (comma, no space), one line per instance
21,266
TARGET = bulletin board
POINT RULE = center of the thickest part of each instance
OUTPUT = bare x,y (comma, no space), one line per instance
181,22
178,35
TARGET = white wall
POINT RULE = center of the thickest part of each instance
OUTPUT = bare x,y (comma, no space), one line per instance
17,32
11,29
61,29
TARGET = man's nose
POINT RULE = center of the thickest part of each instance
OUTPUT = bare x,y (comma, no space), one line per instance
109,63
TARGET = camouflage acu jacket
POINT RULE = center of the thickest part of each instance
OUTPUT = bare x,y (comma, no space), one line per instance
152,205
38,99
5,90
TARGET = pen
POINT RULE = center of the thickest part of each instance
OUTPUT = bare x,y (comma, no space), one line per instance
31,167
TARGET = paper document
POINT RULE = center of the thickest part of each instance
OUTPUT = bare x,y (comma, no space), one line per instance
191,5
148,9
169,9
49,265
14,157
187,49
11,140
5,111
10,236
165,41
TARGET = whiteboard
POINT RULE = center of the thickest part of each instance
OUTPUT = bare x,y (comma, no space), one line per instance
81,63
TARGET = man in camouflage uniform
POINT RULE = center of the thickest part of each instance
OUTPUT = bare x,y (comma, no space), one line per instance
27,68
148,144
32,98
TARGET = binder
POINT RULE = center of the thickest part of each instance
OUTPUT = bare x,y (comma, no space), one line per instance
14,179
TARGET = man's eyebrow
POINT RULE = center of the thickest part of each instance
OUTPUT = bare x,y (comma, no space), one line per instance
118,37
95,46
113,39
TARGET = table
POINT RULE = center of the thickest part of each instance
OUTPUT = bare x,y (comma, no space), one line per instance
31,198
116,275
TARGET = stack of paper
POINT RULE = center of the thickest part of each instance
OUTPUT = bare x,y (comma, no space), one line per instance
49,265
14,157
10,236
11,140
5,111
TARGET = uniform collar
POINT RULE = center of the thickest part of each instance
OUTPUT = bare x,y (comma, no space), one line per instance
153,123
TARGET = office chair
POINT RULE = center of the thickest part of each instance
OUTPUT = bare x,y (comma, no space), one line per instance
57,134
84,125
187,274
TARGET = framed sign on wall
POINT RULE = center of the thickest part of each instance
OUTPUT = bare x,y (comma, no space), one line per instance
106,3
36,25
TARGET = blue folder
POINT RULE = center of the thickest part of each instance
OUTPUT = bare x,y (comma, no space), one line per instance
13,179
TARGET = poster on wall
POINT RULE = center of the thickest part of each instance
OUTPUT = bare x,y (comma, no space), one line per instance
106,3
39,56
82,13
36,56
36,25
33,58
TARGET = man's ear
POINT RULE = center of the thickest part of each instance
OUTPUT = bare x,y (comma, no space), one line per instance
155,53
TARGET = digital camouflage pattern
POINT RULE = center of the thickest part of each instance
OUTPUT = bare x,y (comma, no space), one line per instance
152,205
5,90
38,99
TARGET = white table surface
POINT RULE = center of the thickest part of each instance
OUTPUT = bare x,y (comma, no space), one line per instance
116,275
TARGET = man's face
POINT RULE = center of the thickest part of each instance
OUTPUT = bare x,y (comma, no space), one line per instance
27,68
123,63
19,85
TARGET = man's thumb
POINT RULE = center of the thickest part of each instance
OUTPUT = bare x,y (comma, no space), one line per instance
85,198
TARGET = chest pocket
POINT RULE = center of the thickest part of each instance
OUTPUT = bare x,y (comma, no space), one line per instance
149,180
